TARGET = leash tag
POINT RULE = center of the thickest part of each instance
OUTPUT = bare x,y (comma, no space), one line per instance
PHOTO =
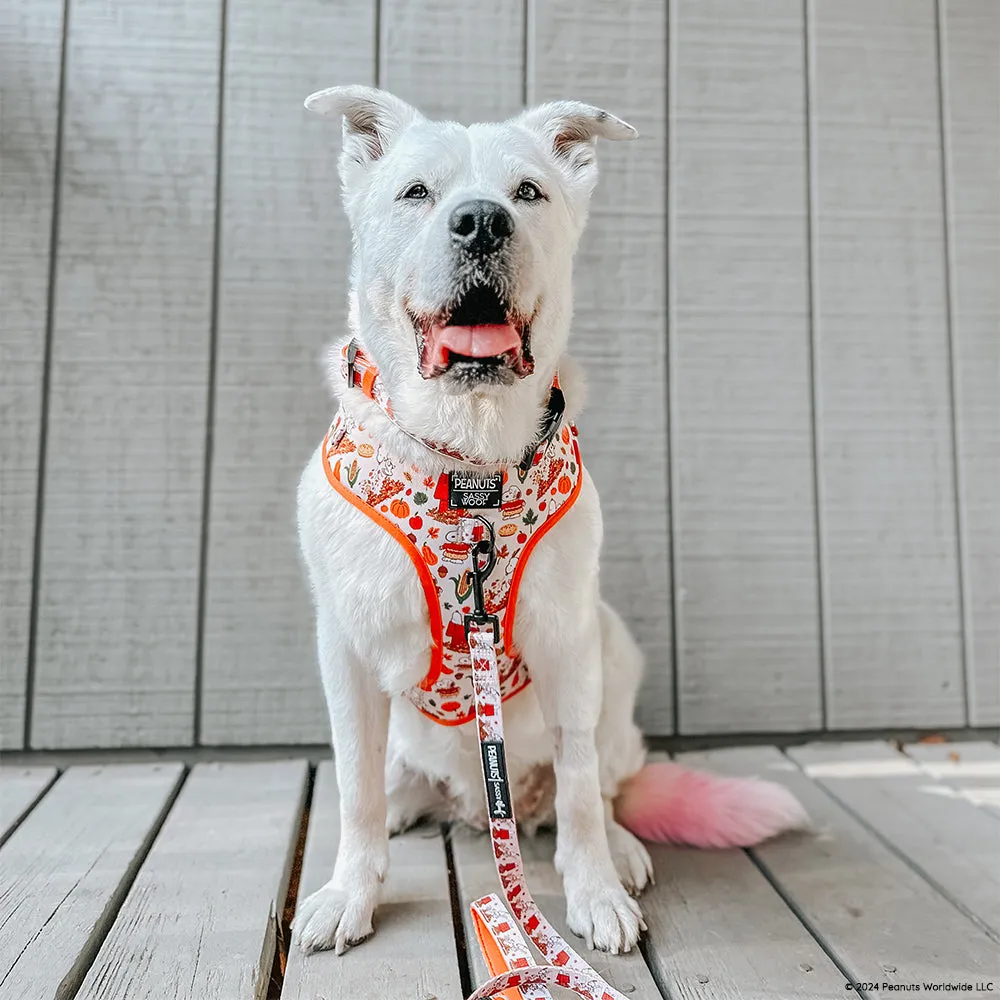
495,772
475,490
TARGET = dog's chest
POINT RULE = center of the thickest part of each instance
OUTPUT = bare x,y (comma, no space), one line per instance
416,510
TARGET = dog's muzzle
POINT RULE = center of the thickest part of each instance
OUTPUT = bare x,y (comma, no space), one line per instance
480,339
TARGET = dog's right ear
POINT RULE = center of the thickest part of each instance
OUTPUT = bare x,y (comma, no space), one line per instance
373,120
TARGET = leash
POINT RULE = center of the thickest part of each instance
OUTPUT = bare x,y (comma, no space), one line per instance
504,948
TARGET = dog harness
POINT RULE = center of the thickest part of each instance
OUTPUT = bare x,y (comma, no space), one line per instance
437,519
459,530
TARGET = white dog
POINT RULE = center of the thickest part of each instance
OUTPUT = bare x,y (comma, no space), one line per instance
461,301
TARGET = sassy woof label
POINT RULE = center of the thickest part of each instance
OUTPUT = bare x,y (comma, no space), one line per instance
495,773
474,491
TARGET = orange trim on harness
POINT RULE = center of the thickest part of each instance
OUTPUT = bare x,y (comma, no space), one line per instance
368,382
424,574
515,583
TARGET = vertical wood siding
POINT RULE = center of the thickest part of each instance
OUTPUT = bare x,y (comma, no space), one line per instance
887,497
30,56
121,528
970,85
284,253
787,307
745,527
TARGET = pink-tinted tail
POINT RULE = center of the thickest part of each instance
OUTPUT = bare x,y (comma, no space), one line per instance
666,802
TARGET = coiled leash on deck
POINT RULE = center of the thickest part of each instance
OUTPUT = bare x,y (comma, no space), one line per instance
504,948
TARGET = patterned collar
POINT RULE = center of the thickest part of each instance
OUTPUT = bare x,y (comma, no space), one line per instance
360,372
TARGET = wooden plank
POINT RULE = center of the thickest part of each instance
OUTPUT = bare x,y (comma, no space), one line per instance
951,842
412,955
970,85
20,789
876,916
67,868
285,253
717,927
200,919
973,769
126,435
744,521
30,55
477,876
893,633
468,68
611,53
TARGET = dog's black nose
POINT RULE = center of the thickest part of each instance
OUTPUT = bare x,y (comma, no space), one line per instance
480,227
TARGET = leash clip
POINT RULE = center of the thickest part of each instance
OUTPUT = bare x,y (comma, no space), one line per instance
484,558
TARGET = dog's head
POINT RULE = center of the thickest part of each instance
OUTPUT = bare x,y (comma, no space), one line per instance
464,237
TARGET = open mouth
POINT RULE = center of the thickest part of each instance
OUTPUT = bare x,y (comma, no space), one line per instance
478,339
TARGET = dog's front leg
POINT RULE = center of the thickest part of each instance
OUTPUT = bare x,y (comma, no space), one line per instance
340,914
568,684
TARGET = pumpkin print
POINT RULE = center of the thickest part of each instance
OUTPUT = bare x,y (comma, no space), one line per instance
565,484
430,557
400,508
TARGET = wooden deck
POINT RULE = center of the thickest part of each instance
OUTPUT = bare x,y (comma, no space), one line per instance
130,881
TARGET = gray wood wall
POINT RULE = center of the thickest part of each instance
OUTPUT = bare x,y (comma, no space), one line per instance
787,302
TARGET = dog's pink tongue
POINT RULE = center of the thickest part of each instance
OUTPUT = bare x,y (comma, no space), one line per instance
475,341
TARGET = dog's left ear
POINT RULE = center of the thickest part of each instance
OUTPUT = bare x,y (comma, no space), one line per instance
572,129
373,120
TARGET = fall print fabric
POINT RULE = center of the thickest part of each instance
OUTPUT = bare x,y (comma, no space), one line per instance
414,508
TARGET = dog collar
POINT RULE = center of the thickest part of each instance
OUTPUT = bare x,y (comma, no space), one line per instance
360,372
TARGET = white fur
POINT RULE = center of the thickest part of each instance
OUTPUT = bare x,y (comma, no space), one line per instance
372,625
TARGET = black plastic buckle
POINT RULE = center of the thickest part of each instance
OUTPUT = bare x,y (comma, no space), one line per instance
352,353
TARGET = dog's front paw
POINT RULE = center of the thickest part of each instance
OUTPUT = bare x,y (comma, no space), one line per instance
605,916
333,918
632,860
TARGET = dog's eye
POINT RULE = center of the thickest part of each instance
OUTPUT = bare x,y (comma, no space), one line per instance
528,191
416,192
